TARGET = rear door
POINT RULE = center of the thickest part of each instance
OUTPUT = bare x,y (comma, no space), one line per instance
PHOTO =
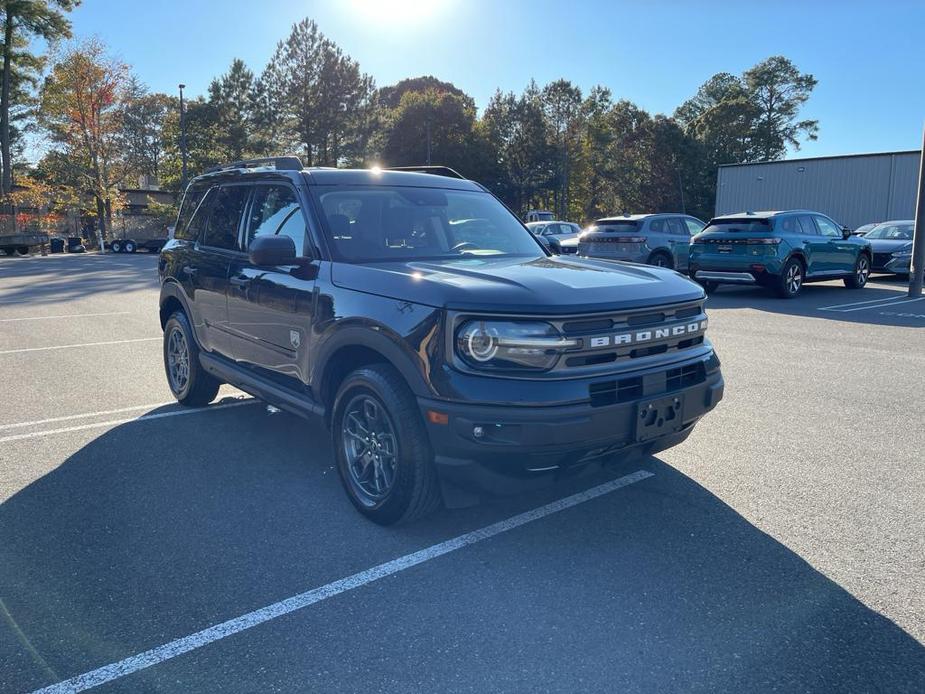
680,240
270,309
208,272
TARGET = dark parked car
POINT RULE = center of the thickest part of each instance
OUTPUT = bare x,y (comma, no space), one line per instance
891,243
781,250
442,344
662,240
558,237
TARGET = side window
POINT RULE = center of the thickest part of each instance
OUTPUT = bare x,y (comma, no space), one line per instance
675,228
221,230
191,201
693,226
788,225
827,228
200,216
806,223
276,210
657,226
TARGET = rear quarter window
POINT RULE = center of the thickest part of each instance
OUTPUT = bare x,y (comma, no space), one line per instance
191,200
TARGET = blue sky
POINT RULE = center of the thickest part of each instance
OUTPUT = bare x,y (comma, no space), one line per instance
866,56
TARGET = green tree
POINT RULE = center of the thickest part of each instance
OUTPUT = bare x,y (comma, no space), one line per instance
232,99
144,117
324,98
779,90
24,20
561,102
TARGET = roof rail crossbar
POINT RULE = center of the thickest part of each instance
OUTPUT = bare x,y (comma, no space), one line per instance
435,170
287,163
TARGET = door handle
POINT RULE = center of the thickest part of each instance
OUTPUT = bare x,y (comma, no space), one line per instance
188,270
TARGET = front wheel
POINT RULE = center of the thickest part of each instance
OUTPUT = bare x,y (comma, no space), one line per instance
190,384
861,273
790,281
660,260
382,450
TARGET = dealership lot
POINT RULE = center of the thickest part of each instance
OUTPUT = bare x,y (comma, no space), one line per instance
780,547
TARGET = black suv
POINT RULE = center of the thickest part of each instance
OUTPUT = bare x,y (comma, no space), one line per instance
442,343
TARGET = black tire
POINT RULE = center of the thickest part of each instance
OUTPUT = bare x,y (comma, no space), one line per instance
709,286
22,251
861,273
130,246
790,281
198,387
413,491
116,246
660,259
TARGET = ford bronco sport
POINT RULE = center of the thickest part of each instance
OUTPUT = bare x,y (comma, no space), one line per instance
444,346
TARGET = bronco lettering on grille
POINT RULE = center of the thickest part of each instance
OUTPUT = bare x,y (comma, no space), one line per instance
648,335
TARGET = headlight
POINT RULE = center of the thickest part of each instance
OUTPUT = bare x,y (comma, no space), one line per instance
489,344
905,252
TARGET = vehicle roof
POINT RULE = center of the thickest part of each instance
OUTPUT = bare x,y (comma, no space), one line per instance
637,217
551,221
349,177
763,214
893,221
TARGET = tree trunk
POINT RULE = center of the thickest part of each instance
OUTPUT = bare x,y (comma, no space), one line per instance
6,182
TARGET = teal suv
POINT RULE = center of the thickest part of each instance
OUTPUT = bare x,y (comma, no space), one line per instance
780,250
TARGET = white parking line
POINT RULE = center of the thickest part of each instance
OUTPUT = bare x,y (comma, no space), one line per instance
84,344
858,303
70,315
887,304
127,420
134,663
87,415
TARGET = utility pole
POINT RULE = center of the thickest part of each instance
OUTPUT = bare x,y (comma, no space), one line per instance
681,191
182,140
918,240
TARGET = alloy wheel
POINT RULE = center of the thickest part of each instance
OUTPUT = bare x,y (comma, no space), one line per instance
863,271
370,447
794,278
178,360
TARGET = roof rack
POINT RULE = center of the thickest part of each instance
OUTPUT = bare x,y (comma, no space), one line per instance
435,170
287,163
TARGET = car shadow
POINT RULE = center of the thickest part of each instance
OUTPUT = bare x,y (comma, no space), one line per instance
158,528
873,305
55,279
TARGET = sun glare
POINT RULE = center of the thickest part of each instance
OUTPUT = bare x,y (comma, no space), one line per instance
396,12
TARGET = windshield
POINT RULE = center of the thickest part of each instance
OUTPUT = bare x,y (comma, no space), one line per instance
892,232
739,225
608,225
375,223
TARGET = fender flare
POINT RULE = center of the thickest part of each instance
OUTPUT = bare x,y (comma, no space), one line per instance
379,339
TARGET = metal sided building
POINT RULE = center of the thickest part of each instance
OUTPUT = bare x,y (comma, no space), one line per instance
853,190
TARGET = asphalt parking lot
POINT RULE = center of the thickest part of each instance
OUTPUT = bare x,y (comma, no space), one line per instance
781,548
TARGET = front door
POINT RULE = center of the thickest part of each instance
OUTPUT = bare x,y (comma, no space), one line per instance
270,308
841,254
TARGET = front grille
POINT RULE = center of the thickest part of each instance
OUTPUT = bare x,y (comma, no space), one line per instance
881,259
635,387
631,335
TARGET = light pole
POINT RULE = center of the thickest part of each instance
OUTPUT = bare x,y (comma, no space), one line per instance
182,140
917,267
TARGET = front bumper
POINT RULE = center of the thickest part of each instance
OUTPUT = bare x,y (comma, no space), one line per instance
517,444
895,265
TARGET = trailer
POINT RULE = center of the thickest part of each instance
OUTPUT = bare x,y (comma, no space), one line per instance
23,243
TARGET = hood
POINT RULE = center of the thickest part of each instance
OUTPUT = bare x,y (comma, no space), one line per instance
554,285
889,245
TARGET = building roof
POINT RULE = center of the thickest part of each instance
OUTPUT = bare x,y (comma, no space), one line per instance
831,156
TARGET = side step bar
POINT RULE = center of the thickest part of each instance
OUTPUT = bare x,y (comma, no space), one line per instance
261,387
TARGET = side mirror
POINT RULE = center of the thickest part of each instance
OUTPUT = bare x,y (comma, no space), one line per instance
845,233
268,251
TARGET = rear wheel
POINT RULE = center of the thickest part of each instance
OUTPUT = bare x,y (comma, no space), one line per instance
660,259
861,273
116,246
130,247
791,279
382,450
190,383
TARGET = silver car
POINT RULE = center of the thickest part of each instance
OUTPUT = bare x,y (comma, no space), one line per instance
655,239
558,237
